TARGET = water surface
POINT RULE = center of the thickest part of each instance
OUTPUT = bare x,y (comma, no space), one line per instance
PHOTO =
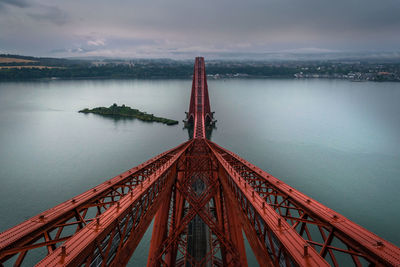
337,141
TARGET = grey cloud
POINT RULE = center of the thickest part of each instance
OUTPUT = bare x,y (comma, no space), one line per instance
49,13
78,50
271,21
229,26
17,3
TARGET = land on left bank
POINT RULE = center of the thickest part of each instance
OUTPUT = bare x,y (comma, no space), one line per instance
15,67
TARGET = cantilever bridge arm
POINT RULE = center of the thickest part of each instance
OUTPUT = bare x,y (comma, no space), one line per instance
312,220
112,238
73,215
280,241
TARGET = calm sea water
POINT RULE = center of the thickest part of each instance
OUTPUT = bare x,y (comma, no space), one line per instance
337,141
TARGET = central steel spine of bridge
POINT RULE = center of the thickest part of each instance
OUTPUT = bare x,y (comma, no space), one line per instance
201,198
199,114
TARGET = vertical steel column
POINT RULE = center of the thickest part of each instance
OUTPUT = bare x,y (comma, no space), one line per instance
160,228
124,253
258,248
235,231
228,223
177,213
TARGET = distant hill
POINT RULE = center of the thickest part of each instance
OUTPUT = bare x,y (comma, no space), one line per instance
8,59
5,59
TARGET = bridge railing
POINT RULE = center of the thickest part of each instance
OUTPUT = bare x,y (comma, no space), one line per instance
275,243
338,240
114,235
26,241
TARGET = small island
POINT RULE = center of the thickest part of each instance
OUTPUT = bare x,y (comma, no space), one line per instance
125,111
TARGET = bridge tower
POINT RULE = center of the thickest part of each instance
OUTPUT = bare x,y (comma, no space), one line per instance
199,114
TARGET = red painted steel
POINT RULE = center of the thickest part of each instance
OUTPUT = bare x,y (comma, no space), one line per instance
113,238
199,114
202,197
54,226
282,239
325,230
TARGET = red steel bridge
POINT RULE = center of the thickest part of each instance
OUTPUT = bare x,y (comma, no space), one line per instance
201,198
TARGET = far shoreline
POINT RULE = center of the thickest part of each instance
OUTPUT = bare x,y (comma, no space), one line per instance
190,79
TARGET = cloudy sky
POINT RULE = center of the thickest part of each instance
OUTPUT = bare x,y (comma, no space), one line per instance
175,28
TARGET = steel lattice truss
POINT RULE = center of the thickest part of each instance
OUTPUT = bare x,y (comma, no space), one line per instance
47,230
201,198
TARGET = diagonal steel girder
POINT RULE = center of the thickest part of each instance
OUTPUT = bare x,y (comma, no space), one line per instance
198,166
309,218
75,214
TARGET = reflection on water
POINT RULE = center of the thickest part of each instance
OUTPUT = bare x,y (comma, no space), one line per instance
117,118
336,141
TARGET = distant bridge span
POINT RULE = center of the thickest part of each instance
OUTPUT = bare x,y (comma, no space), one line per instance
201,197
